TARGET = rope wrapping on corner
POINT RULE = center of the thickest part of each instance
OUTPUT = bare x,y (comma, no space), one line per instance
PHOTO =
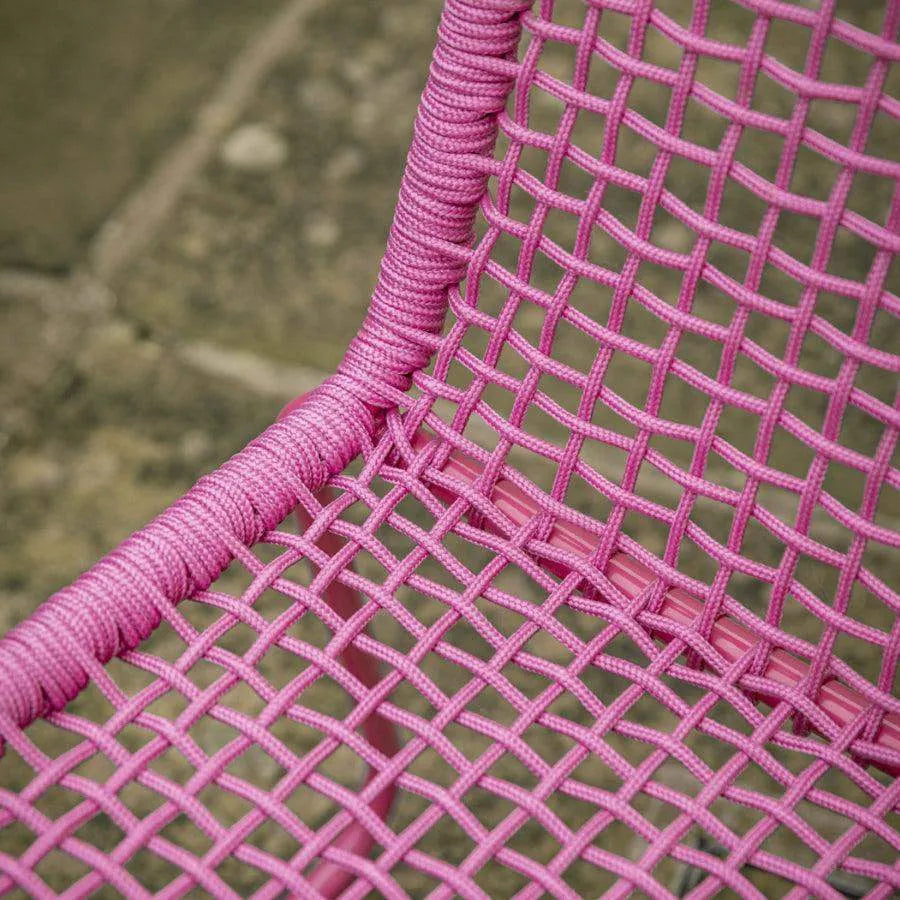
471,76
114,606
117,603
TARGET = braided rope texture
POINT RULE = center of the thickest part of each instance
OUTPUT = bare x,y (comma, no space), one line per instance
673,329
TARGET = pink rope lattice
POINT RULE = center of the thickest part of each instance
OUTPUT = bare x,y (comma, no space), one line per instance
608,606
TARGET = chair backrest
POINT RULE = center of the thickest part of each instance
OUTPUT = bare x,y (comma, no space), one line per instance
623,541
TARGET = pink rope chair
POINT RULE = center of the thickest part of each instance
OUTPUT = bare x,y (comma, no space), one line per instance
590,587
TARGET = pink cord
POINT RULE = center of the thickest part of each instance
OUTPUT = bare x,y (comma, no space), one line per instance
731,639
44,661
330,878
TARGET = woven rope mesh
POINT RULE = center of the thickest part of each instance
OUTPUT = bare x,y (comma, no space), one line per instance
677,335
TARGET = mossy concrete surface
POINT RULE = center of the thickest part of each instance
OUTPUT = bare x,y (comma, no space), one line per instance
260,273
90,94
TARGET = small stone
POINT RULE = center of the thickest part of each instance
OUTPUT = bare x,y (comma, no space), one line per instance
35,472
254,148
346,162
365,115
322,232
322,96
195,444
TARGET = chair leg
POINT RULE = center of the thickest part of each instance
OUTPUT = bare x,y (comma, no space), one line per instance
329,878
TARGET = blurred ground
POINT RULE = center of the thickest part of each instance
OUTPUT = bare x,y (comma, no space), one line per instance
129,362
90,96
115,396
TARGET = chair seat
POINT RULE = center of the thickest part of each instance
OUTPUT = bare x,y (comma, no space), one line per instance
511,724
